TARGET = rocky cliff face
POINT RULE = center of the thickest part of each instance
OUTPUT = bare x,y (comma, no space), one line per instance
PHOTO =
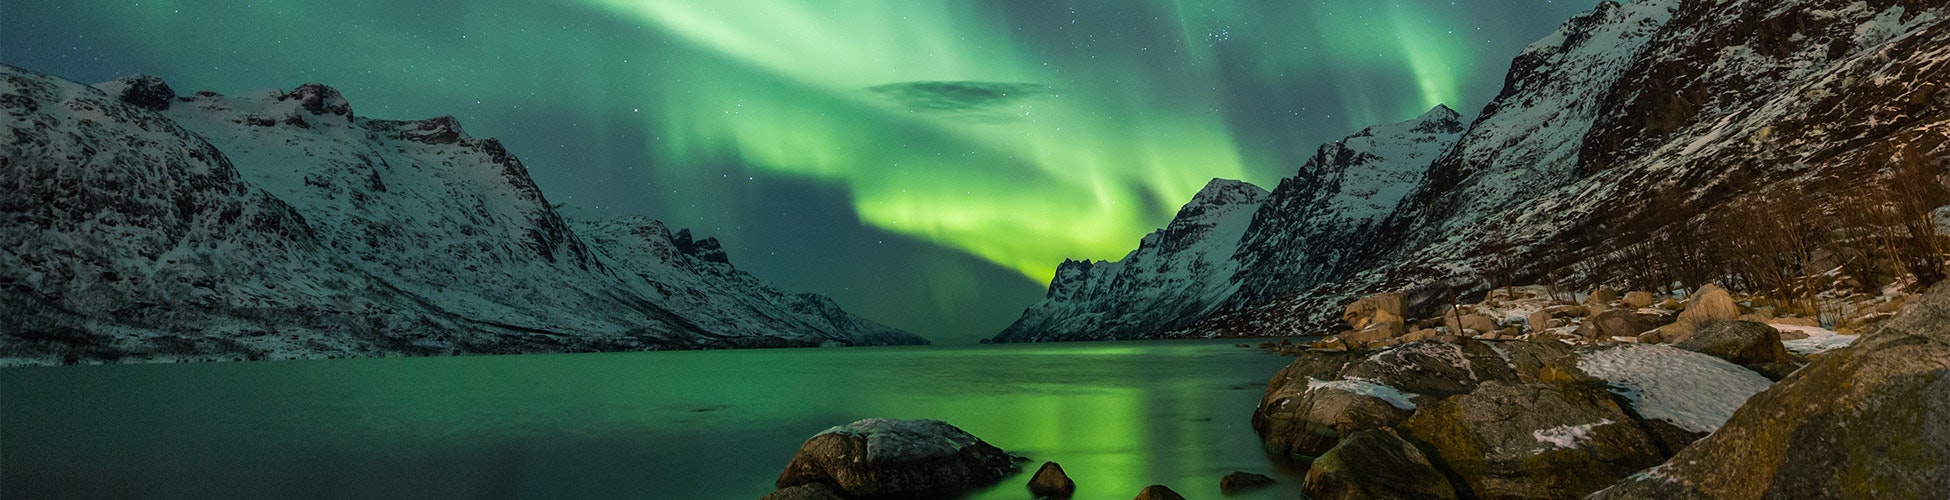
1631,123
1177,274
147,226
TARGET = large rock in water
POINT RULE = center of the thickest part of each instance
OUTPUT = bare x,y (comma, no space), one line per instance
1744,343
1534,440
1865,421
1376,463
883,458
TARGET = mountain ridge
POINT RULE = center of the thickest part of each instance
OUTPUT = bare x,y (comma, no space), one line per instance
390,237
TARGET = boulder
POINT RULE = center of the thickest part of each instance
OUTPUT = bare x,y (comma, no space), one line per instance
1158,492
1050,481
1602,296
1568,311
1434,369
1373,308
1530,359
1241,482
1865,421
1616,323
885,458
1375,332
1376,463
1419,335
1321,397
1744,343
811,491
1309,421
1534,440
1540,321
1637,300
1480,323
1709,303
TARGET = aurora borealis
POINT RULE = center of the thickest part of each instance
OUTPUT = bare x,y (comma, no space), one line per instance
927,163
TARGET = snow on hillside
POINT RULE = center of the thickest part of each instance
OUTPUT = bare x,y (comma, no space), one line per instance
146,226
1177,273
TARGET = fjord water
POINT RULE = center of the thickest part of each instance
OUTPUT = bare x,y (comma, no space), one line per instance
691,425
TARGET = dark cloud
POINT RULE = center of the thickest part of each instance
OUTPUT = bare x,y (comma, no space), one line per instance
976,101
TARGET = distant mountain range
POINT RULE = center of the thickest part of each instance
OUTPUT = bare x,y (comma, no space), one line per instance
145,226
1629,124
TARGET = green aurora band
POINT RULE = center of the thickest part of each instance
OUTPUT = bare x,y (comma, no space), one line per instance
1021,132
1079,171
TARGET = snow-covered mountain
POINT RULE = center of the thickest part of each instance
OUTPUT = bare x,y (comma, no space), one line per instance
1236,240
1630,123
1176,275
146,226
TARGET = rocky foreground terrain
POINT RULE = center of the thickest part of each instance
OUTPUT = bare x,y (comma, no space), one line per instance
1530,395
141,225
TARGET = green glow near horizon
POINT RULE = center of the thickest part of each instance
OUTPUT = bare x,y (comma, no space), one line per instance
1134,120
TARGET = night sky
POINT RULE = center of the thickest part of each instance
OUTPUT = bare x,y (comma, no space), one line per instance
927,163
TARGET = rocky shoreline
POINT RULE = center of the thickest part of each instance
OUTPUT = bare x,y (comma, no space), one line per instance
1533,396
1527,396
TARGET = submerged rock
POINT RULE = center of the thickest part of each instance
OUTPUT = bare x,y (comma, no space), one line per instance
1158,492
812,491
1242,481
883,458
1050,481
1865,421
1376,463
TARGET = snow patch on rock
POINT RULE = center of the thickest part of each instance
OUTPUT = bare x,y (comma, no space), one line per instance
1366,387
1694,391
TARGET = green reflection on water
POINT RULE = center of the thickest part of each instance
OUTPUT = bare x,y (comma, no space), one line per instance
665,425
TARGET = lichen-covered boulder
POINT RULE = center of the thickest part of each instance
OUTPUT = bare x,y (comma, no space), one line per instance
1375,463
882,458
1534,440
1744,343
1865,421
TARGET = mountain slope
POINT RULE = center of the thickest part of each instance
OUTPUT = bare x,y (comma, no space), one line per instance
1177,274
1722,104
1295,234
288,218
1632,124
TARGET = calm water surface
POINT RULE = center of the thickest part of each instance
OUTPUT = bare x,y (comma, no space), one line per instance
686,425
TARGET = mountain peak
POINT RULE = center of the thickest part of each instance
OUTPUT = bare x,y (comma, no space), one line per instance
1220,191
143,91
1438,120
320,100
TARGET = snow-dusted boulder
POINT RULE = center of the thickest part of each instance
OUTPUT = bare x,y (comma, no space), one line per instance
884,458
1865,421
1534,440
